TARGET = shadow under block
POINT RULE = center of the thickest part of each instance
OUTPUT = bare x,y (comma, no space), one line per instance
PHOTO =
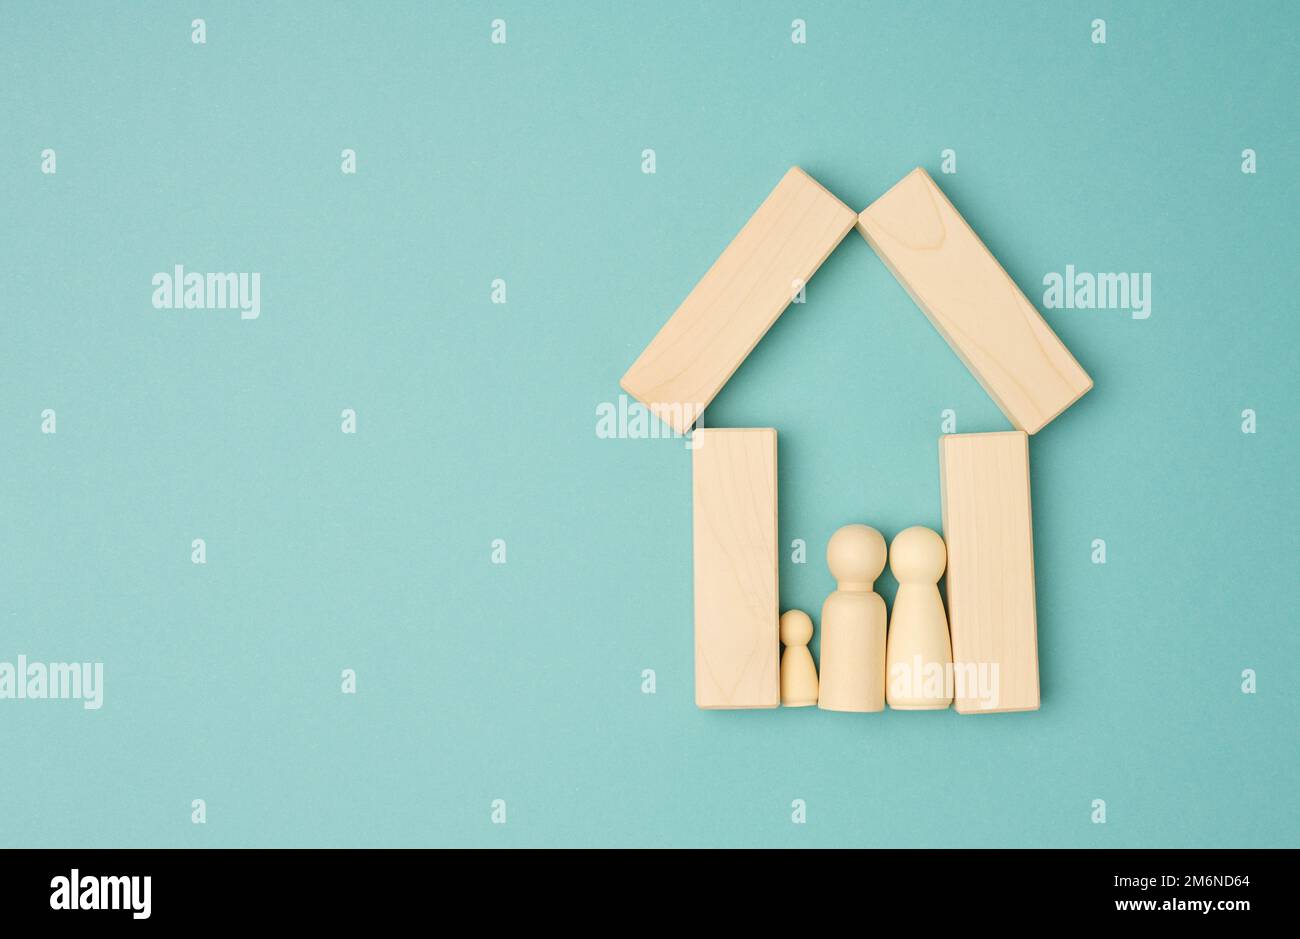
737,654
973,302
718,324
984,480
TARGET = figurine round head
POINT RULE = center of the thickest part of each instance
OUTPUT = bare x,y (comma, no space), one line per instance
856,556
796,628
917,555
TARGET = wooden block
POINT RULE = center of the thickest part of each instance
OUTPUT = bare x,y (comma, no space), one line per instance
984,480
973,302
738,300
736,634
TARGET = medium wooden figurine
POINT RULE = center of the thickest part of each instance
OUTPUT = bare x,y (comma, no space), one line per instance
919,654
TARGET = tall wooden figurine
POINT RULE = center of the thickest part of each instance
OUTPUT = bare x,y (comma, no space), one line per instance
853,623
919,653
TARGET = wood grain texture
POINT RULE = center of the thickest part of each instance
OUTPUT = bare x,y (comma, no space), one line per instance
973,302
737,662
984,480
738,300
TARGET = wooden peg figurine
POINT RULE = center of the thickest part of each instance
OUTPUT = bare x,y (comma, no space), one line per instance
853,623
919,653
798,671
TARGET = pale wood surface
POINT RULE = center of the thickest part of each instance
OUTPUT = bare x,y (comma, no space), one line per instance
738,300
737,650
984,480
973,302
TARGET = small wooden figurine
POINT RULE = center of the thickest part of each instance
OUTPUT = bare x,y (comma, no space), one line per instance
798,671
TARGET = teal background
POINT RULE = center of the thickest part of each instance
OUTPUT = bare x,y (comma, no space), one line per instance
477,421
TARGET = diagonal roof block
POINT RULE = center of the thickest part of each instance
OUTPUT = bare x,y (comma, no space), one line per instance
929,248
973,302
718,324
